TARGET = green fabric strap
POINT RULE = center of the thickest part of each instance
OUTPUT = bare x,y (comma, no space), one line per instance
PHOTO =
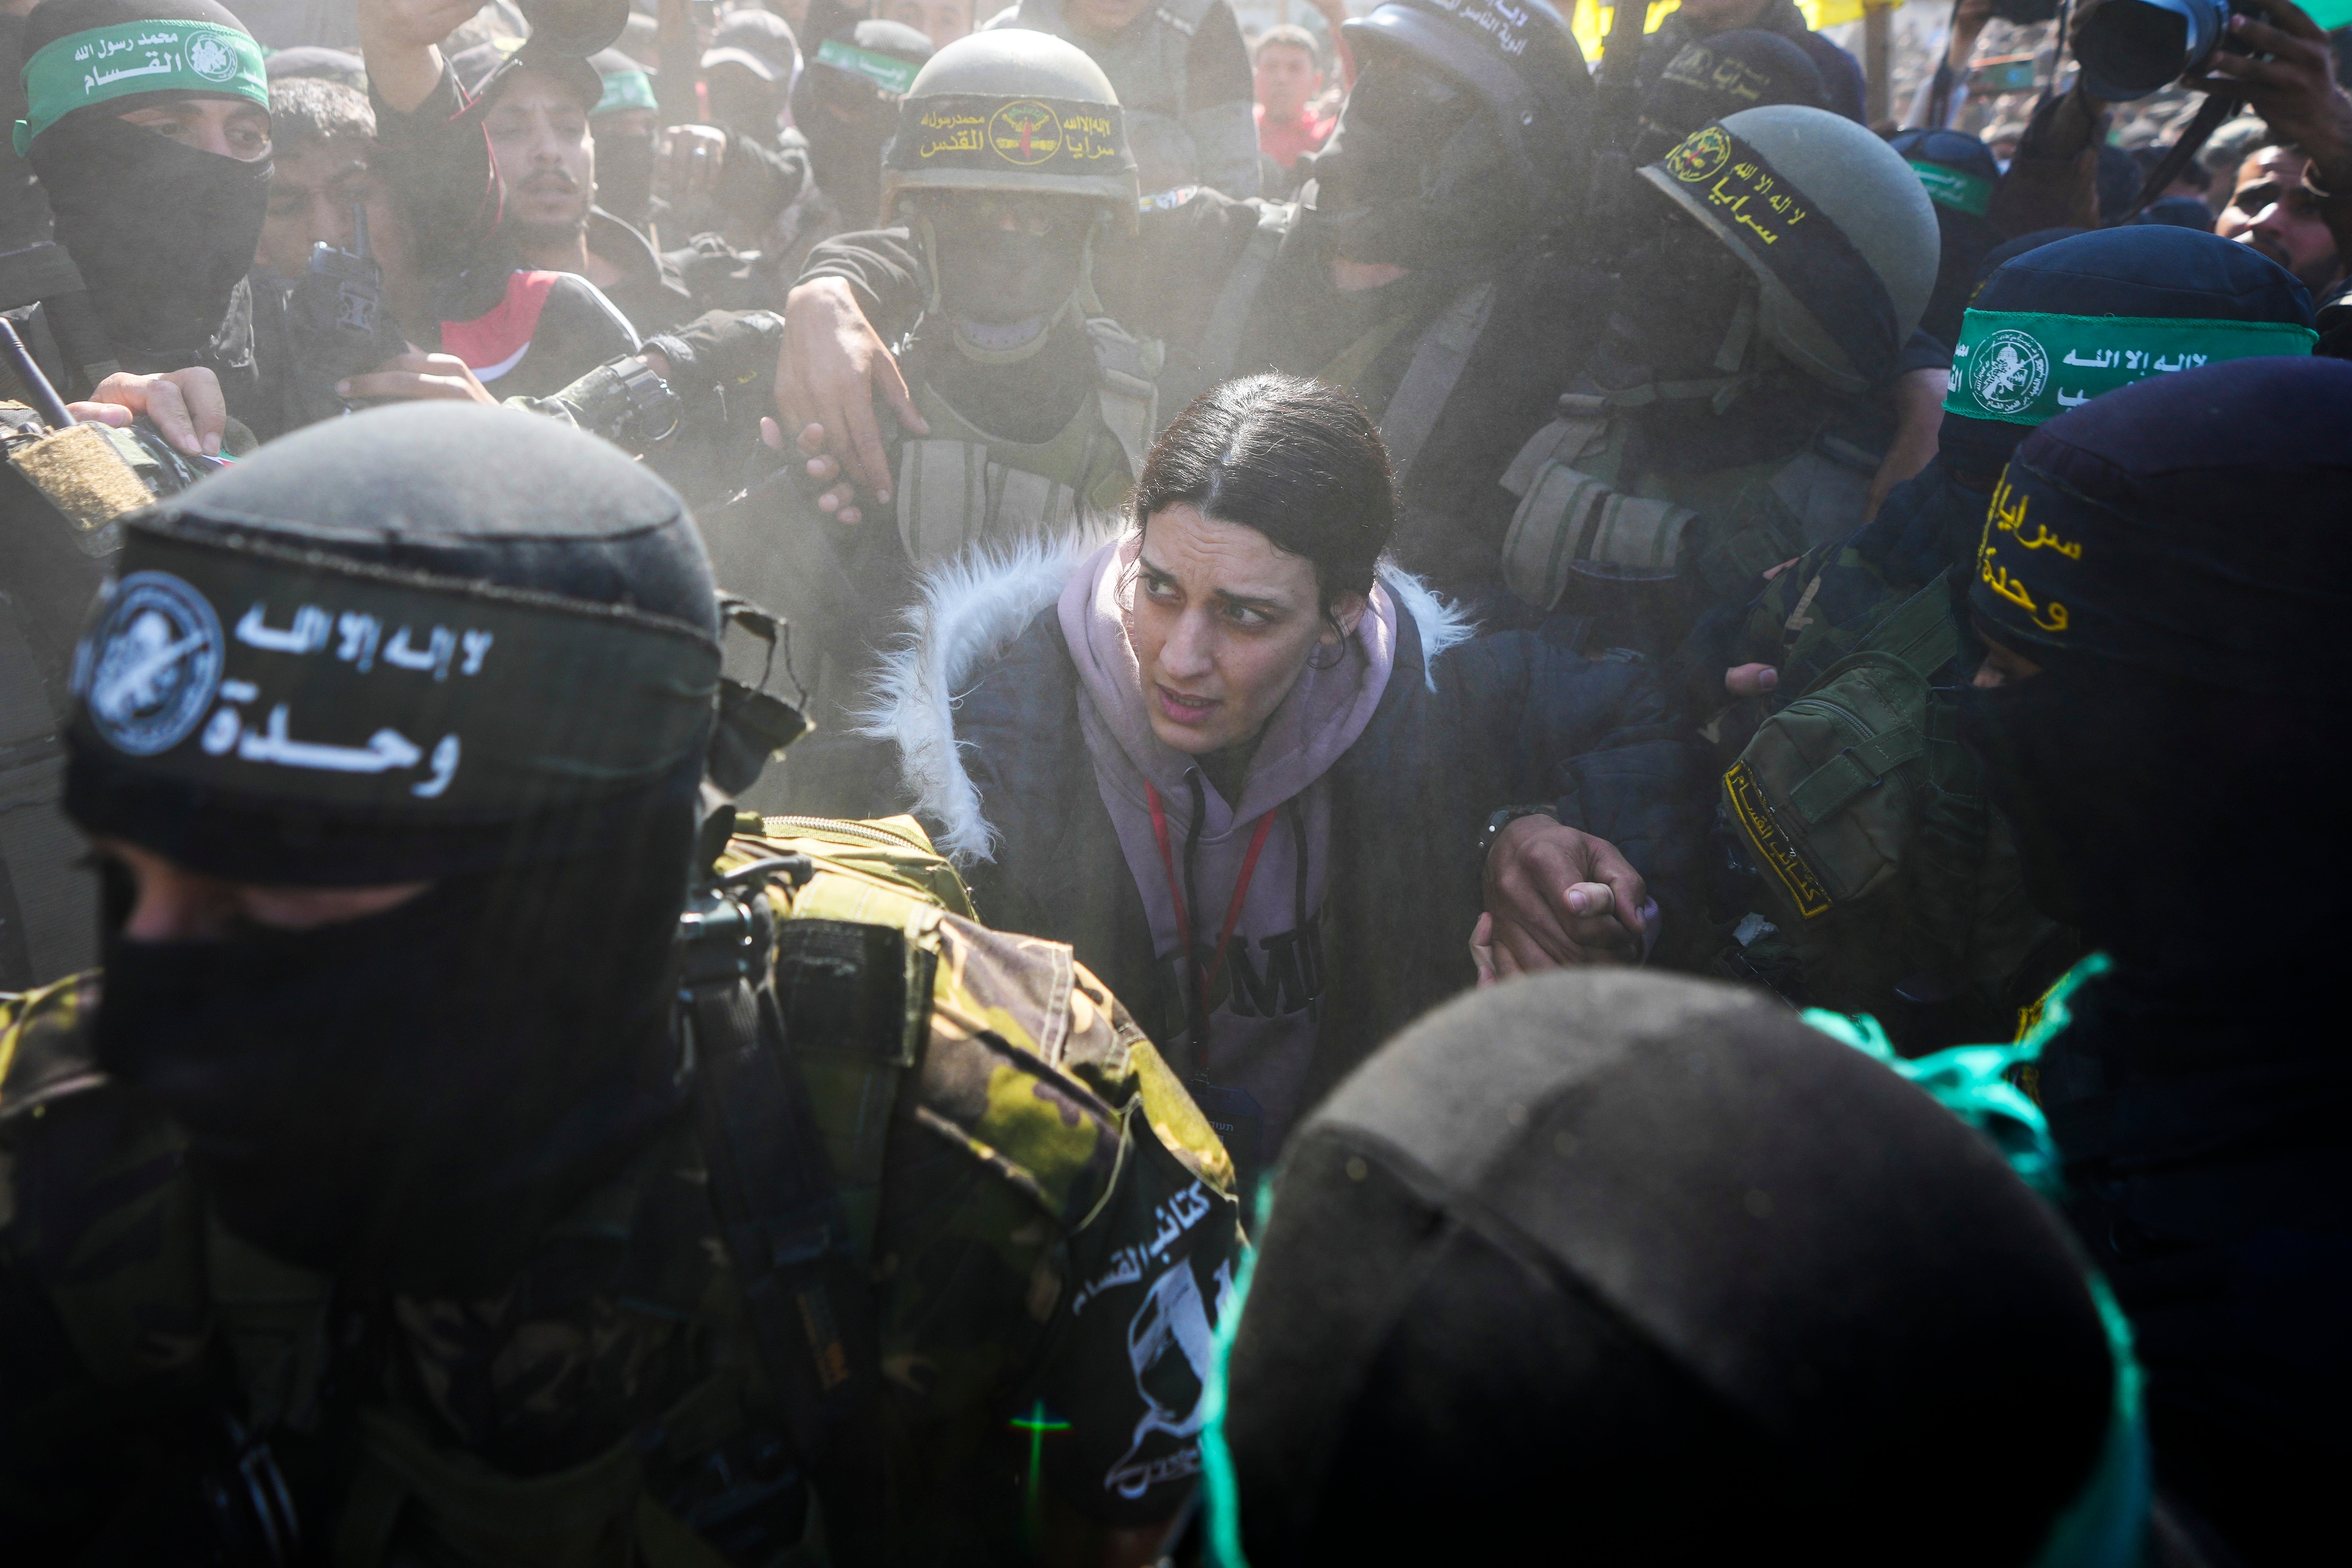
194,58
2022,367
2106,1526
625,89
1954,188
888,72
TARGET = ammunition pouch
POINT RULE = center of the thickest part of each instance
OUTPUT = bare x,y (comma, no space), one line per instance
1827,796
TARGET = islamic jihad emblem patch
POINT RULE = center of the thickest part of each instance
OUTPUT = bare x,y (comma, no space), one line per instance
1026,132
2008,371
1701,156
154,664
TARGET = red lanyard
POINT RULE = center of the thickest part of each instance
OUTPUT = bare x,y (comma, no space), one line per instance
1176,888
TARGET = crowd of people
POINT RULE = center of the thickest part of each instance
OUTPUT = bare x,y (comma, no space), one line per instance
818,783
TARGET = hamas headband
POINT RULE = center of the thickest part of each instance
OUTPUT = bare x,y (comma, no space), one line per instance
1739,193
625,89
2022,367
891,75
250,670
192,58
1954,188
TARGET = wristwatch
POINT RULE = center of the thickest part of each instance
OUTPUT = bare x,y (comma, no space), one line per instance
1503,818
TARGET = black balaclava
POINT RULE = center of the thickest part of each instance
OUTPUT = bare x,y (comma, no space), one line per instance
846,115
1719,76
2180,736
2174,554
1415,173
1635,1269
1005,340
1685,314
162,234
1959,173
1933,520
425,643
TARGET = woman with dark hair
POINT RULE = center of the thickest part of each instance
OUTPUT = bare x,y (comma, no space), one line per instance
1265,784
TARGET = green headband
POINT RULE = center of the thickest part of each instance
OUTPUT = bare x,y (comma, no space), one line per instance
2022,367
1954,188
625,89
892,75
194,58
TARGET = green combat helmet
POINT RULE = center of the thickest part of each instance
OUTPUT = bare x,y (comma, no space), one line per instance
1011,110
1834,223
1841,241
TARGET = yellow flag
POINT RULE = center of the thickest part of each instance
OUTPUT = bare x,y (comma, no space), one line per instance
1592,19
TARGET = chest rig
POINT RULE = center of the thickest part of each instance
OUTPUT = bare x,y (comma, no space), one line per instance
962,487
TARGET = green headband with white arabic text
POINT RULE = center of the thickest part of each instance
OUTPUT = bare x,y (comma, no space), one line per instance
625,89
2022,367
197,60
888,72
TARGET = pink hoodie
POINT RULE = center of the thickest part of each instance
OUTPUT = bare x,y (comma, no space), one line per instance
1264,998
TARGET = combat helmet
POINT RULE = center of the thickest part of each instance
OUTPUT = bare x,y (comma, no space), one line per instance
1522,62
1836,227
1011,109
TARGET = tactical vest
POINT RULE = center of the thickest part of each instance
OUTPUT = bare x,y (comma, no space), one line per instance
1583,528
1882,880
962,487
1147,67
811,968
1441,349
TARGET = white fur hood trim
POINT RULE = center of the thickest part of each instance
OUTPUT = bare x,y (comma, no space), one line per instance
970,609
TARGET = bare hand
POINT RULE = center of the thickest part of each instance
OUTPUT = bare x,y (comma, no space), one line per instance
1750,679
184,405
839,498
398,38
1557,896
101,413
2295,90
421,376
830,366
687,161
1918,396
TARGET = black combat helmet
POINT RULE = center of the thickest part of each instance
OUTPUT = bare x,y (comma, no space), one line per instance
1721,75
1647,1270
1469,127
469,655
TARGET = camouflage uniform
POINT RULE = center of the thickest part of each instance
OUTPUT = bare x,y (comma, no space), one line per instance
1052,1238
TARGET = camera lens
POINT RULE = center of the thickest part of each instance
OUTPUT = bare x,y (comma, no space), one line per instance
2129,49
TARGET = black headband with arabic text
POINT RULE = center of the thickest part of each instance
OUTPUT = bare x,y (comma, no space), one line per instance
987,133
262,672
1783,227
